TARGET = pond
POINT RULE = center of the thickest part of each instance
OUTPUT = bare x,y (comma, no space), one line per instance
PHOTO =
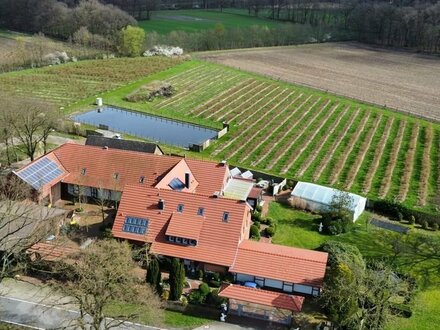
153,128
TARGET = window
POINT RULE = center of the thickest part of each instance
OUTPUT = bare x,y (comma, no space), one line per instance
184,241
116,175
193,242
94,192
201,211
225,216
178,240
83,171
171,238
141,179
180,208
315,292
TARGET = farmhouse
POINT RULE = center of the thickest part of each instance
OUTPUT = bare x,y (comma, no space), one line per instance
318,198
181,207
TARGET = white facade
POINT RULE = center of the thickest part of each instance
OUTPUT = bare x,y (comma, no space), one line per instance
318,198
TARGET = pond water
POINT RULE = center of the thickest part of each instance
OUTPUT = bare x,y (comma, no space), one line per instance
149,127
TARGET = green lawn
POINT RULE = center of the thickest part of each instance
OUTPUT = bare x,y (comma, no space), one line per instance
195,20
298,229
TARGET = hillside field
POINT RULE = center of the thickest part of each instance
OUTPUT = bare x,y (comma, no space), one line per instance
408,82
305,134
165,21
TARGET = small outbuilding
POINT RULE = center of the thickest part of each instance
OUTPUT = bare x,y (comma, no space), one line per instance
318,198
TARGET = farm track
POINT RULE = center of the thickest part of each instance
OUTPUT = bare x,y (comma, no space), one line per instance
426,167
297,152
386,182
377,157
364,147
409,164
320,144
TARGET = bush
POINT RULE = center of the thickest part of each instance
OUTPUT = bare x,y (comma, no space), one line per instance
257,224
335,225
215,284
204,289
425,224
165,295
258,208
200,274
269,221
215,276
213,299
270,231
196,297
184,301
412,220
254,232
435,226
399,216
401,310
256,216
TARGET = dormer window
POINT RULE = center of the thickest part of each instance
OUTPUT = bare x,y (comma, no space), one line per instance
141,179
201,211
225,216
116,176
180,208
83,171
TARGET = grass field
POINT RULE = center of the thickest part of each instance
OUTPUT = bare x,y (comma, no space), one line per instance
195,20
305,134
400,80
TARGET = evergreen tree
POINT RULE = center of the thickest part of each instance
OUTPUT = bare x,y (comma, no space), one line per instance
153,275
177,278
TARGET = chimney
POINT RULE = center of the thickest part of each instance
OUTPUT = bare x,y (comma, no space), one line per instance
187,179
161,204
223,162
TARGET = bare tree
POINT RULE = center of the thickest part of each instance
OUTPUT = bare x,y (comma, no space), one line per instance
101,277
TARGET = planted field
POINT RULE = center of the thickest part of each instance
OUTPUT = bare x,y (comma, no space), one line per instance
403,81
308,135
67,84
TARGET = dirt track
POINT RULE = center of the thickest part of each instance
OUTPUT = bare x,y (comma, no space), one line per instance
404,81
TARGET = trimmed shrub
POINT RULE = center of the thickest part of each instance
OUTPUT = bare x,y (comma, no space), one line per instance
257,224
254,232
425,224
270,231
258,208
204,289
177,279
435,226
200,274
269,221
412,220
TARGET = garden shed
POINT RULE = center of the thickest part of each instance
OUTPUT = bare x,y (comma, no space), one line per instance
318,198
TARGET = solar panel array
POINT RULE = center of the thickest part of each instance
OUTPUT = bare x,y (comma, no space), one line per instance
390,226
135,225
176,184
40,173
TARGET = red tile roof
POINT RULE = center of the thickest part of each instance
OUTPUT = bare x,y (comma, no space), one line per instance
280,263
218,240
185,225
255,192
262,297
101,165
51,251
179,171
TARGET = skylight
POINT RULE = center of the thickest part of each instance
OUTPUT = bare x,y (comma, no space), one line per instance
176,184
225,216
141,179
180,208
201,211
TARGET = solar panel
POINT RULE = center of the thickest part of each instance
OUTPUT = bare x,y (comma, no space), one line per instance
135,225
390,226
176,184
40,173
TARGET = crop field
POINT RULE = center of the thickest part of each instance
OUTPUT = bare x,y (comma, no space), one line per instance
66,84
404,81
165,21
305,134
